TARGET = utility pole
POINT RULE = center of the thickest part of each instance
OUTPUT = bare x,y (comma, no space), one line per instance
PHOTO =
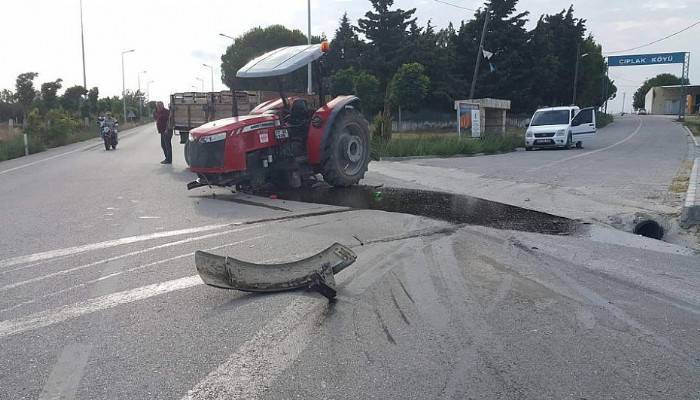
579,56
480,52
124,82
310,87
578,51
624,94
82,44
211,69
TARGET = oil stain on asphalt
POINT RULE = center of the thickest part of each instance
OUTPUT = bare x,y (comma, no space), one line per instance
450,207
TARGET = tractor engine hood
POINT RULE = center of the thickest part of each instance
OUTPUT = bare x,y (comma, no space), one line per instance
248,122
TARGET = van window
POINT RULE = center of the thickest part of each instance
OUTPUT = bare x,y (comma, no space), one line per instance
585,116
551,117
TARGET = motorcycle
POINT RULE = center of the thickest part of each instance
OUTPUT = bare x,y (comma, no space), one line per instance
108,130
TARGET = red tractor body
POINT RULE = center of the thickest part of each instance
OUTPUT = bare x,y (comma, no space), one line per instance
284,142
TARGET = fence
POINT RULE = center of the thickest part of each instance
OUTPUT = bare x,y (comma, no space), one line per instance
429,121
8,130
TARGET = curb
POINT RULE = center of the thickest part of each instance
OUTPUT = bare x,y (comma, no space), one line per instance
692,136
690,215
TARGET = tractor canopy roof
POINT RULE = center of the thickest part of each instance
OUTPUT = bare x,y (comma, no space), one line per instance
281,61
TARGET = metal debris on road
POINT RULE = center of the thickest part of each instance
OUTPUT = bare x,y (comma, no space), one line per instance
315,272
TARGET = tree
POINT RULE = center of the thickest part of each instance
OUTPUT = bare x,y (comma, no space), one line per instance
361,84
24,90
409,86
346,48
92,99
48,93
9,108
256,42
387,33
72,96
552,56
343,82
6,96
367,89
592,79
658,80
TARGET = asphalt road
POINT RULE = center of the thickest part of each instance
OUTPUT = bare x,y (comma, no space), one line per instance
99,298
626,169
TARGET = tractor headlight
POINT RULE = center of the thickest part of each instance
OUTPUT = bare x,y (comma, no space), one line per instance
561,132
213,138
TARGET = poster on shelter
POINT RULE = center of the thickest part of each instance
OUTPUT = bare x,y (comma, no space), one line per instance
469,119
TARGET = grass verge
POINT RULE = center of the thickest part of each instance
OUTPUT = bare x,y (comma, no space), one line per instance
602,119
693,123
444,145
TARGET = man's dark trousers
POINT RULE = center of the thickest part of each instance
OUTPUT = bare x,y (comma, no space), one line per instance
167,145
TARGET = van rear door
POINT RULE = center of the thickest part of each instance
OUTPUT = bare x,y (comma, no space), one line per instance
583,125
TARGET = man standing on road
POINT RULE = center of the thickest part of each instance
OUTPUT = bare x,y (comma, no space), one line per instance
162,116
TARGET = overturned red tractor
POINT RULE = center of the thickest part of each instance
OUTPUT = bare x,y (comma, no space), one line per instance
284,142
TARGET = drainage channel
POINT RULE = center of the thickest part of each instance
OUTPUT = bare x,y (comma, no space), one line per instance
450,207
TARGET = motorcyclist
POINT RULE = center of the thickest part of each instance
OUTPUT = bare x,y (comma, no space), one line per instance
108,122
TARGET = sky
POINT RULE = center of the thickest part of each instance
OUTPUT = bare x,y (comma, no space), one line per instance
172,39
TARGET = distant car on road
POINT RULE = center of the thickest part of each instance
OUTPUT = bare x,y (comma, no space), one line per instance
560,127
641,111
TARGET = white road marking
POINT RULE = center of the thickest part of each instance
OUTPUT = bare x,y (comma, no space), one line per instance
46,255
148,217
61,314
58,155
133,253
83,284
253,367
590,153
45,159
66,374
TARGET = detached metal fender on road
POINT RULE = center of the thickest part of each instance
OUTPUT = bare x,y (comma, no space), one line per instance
315,272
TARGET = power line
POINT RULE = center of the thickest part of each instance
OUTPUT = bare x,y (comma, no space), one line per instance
454,5
655,41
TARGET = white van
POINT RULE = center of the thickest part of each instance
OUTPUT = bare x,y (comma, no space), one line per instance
560,127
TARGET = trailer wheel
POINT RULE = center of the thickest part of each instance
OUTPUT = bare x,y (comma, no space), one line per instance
346,154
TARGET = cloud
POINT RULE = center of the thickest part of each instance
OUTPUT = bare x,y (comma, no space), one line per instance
204,55
662,5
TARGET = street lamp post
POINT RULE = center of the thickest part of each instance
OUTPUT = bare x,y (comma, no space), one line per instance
227,36
148,89
82,44
201,82
140,94
578,60
211,69
124,81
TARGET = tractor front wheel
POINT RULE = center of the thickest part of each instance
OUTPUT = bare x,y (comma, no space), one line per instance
346,153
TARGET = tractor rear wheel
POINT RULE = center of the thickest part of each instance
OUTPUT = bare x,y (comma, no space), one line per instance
346,153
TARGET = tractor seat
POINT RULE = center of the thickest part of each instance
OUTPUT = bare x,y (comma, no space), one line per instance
299,113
